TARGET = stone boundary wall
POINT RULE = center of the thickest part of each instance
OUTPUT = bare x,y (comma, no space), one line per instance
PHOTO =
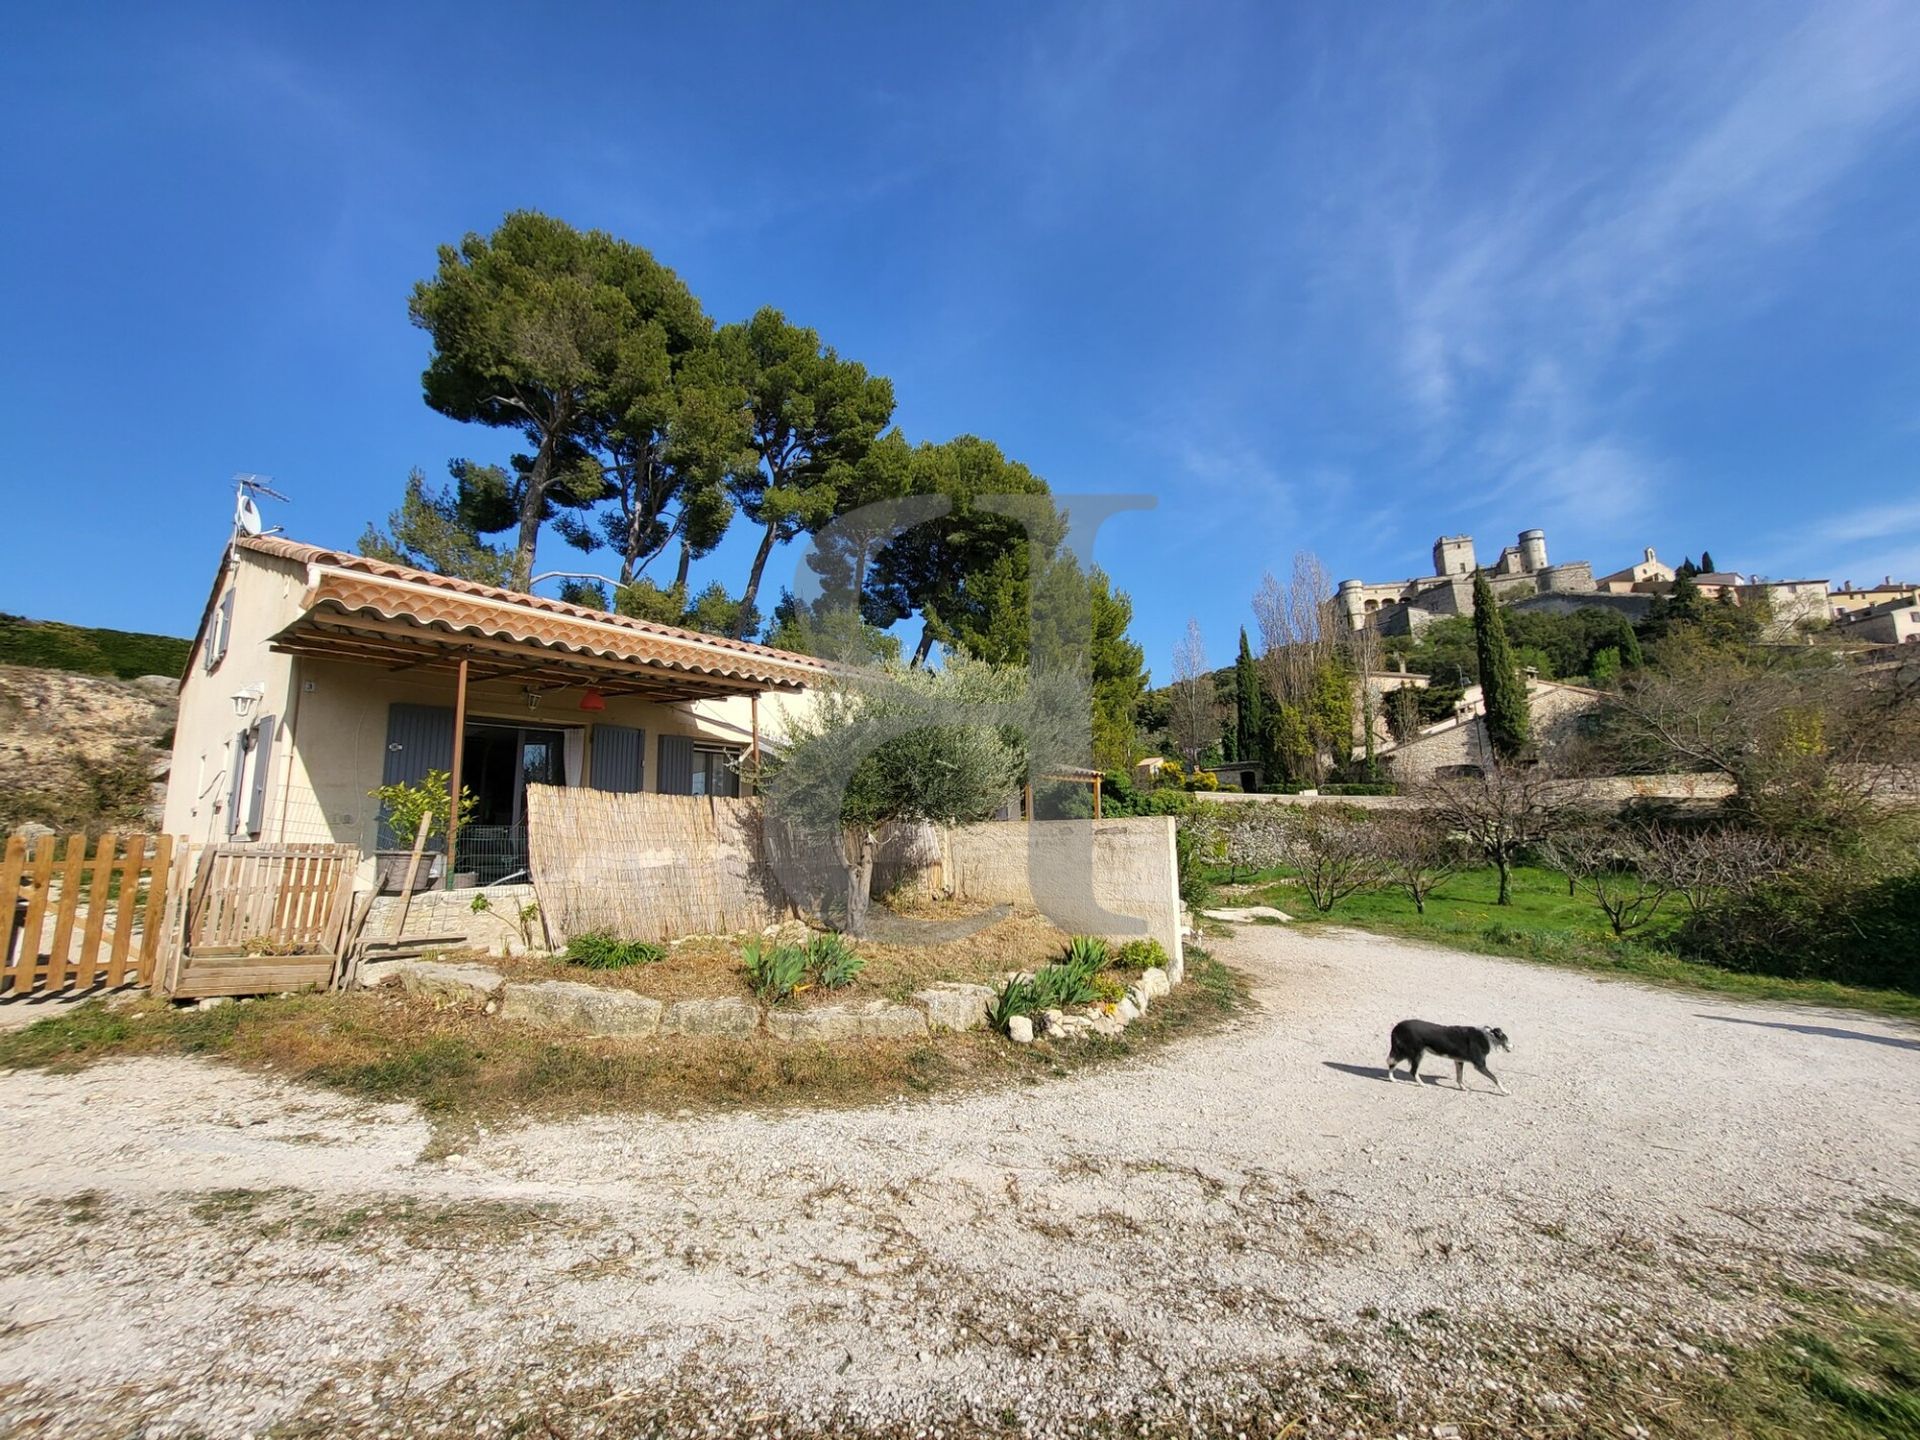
1616,788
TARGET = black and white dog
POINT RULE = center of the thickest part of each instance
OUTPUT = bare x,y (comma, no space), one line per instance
1463,1044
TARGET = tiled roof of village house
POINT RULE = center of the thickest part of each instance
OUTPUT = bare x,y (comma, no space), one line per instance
358,585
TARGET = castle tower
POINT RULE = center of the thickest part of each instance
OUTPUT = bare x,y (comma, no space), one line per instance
1533,550
1353,604
1453,555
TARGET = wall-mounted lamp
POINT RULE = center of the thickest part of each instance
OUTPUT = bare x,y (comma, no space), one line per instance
533,698
245,700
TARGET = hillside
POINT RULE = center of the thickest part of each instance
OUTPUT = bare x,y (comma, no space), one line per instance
124,654
82,752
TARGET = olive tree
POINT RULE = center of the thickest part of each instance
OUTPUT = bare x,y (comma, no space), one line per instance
875,748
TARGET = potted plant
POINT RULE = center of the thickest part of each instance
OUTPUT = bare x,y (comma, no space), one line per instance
407,806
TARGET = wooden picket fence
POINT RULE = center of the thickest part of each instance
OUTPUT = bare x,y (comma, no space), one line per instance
87,913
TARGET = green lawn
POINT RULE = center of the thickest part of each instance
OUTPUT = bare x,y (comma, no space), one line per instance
1544,924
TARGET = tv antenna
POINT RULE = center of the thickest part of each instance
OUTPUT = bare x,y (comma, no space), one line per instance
247,488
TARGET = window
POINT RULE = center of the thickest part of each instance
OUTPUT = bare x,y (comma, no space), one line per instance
713,772
219,633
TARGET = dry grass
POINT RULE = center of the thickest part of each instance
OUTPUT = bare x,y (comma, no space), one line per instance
461,1066
899,960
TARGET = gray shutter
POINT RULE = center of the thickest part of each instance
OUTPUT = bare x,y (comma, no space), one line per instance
619,758
419,739
262,772
236,782
219,632
676,764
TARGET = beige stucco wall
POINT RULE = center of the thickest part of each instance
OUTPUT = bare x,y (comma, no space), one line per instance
330,738
1073,870
266,598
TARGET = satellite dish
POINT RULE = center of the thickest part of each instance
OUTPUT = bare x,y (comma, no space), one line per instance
246,516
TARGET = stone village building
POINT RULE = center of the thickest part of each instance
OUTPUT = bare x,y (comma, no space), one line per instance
1523,578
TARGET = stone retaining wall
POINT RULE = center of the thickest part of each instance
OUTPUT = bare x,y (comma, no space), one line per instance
450,913
605,1010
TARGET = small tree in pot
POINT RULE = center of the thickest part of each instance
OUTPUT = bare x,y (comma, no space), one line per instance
415,809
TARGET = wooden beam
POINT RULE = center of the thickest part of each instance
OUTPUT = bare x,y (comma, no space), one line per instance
453,782
1096,797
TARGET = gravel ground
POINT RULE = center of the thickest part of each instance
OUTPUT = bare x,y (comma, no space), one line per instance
1250,1228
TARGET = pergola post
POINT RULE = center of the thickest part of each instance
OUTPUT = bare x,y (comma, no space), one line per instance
459,758
1096,797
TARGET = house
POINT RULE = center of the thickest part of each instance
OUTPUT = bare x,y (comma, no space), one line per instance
1557,713
1649,570
1891,622
317,676
1850,598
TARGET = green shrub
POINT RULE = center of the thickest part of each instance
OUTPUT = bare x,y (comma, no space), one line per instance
1060,985
832,961
598,950
1088,952
774,972
1017,997
1817,925
1196,891
1144,954
1108,989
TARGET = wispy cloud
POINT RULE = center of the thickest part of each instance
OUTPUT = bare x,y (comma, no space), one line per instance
1521,310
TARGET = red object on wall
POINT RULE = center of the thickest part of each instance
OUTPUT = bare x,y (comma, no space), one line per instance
593,700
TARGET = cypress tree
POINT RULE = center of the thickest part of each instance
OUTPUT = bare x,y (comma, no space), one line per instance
1501,684
1250,724
1706,562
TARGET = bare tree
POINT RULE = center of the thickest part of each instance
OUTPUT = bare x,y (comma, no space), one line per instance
1804,743
1701,865
1610,865
1195,720
1334,855
1417,853
1499,810
1300,638
1298,631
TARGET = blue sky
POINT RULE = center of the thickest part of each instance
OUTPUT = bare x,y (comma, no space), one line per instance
1334,277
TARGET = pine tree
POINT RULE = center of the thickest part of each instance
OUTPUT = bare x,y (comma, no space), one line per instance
1249,705
1706,562
1501,685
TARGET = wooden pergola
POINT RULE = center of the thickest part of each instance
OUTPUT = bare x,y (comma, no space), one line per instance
1072,775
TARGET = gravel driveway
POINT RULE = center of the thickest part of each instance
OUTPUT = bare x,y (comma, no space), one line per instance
1252,1224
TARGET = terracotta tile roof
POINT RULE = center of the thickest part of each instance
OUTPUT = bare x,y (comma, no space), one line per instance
356,585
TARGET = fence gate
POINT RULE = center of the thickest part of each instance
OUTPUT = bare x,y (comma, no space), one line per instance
260,919
83,913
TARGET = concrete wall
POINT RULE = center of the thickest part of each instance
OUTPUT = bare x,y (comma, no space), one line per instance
451,913
1073,870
